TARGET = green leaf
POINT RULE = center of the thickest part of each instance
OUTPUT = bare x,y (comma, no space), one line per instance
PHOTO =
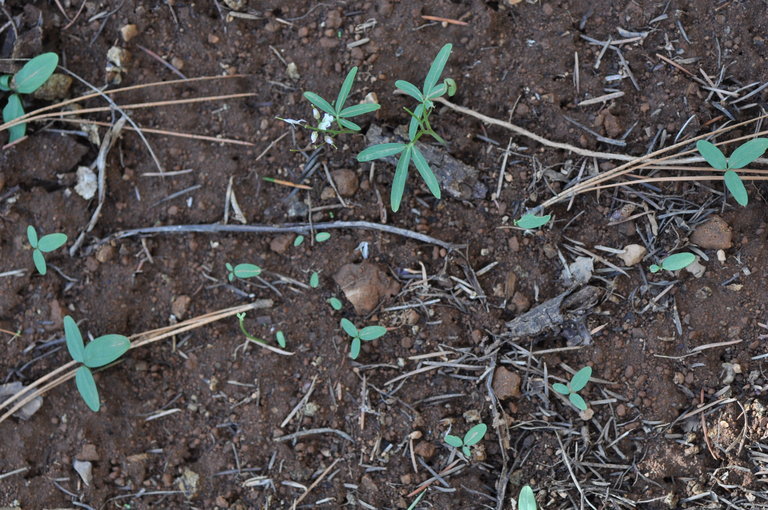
229,267
280,339
426,173
678,261
299,239
231,277
348,124
712,154
5,83
451,83
354,348
437,91
530,221
576,400
319,102
32,236
75,344
52,242
372,332
321,237
410,89
381,150
314,280
34,73
345,88
398,182
475,434
561,388
654,268
87,388
466,452
580,379
104,350
349,328
526,500
454,441
436,69
39,260
359,109
335,303
247,270
413,126
747,153
12,111
736,187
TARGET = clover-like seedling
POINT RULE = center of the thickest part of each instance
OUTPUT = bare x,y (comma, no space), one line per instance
531,221
526,500
45,244
471,438
242,271
366,334
674,262
419,125
29,78
99,352
577,383
745,154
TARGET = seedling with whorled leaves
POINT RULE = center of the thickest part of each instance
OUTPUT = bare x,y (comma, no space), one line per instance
674,262
29,78
366,334
471,438
99,352
741,157
44,244
577,383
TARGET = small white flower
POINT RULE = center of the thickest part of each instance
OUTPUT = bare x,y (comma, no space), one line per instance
315,114
326,122
329,141
313,136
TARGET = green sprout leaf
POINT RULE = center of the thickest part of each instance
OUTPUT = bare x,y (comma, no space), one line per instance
314,280
229,267
52,242
577,401
438,91
678,261
104,350
349,328
398,182
32,236
39,260
345,88
736,187
322,237
454,441
349,125
359,109
712,154
531,221
5,83
410,89
436,69
416,118
75,344
379,151
335,303
654,268
299,239
320,102
561,388
526,500
465,451
580,379
451,83
475,434
280,339
34,73
354,349
87,388
426,173
372,332
747,153
12,111
243,271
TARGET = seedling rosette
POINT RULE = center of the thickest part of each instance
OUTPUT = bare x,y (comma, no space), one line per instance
471,438
366,334
29,78
674,262
741,157
45,244
577,383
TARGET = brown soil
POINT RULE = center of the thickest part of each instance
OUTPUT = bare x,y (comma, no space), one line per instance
644,447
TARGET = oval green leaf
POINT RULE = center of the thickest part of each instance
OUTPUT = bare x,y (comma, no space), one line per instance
678,261
454,441
436,69
12,111
74,339
354,348
475,434
5,83
52,242
747,153
410,89
280,339
335,303
349,124
466,452
438,91
580,379
104,350
712,154
372,332
299,239
654,268
530,221
345,88
359,109
39,260
34,73
526,500
398,182
451,84
87,388
322,237
319,102
736,187
349,328
247,270
561,388
314,280
32,236
379,151
576,400
426,173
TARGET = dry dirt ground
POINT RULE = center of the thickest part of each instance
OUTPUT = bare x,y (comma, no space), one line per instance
204,419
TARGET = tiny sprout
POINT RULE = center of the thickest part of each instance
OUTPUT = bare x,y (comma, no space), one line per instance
45,244
299,239
248,336
280,339
366,334
674,262
335,303
531,221
577,383
29,78
745,154
322,237
314,280
471,438
242,271
526,500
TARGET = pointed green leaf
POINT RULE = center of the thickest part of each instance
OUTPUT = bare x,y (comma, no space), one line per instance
5,83
335,303
321,237
280,339
398,182
348,124
736,187
104,350
576,400
410,89
372,332
379,151
34,73
678,261
526,500
413,126
454,441
561,388
345,88
32,236
247,270
747,153
426,173
580,379
349,328
319,102
531,221
39,260
712,154
359,109
475,434
436,69
12,111
314,280
52,242
87,388
437,91
75,344
354,349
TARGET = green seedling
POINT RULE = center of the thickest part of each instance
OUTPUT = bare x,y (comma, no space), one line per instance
526,500
366,334
242,271
531,221
314,280
577,383
674,262
419,126
45,244
29,78
99,352
299,239
280,337
471,438
745,154
335,303
322,237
